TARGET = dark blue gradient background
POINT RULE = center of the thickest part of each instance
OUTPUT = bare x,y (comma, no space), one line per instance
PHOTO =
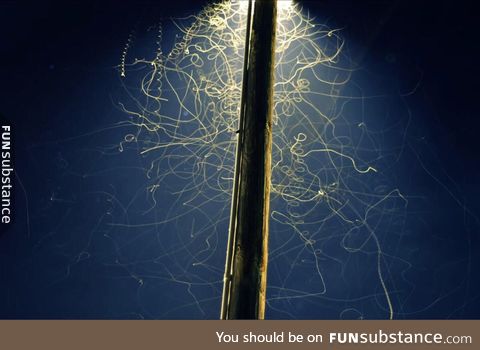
58,88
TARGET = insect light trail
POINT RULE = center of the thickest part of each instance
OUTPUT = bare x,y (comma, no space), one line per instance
185,118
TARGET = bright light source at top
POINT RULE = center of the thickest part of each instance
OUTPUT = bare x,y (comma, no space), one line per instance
243,5
284,5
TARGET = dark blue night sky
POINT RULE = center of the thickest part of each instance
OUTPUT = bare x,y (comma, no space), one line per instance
82,246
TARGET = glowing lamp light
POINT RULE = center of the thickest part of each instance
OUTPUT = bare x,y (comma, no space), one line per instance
284,5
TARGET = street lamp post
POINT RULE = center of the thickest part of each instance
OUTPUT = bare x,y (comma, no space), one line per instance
247,252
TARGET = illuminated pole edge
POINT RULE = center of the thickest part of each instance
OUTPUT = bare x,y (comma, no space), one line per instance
227,279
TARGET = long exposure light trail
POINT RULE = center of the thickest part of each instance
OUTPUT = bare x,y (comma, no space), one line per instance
323,185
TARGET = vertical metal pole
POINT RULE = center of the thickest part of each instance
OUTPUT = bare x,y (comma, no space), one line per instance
248,274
